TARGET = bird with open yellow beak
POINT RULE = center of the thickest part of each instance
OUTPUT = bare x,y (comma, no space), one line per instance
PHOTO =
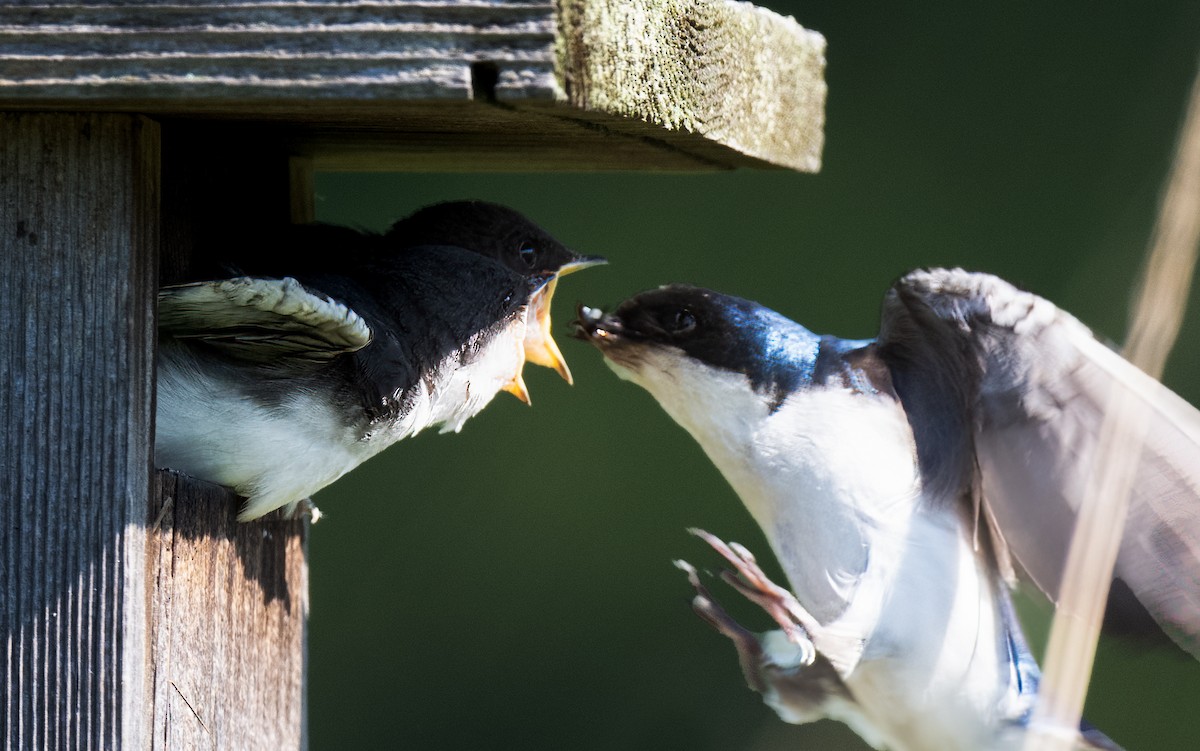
280,373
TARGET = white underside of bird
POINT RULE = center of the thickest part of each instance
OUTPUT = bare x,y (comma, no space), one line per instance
918,647
277,456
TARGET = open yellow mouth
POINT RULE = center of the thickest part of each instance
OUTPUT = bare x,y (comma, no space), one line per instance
517,387
539,346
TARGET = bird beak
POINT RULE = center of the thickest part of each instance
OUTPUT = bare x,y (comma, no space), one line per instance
540,347
583,262
592,325
517,388
621,346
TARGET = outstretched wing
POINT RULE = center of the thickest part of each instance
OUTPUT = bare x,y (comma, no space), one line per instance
1032,385
261,320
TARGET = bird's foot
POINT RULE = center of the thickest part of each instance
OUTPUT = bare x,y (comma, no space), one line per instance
306,507
784,666
753,584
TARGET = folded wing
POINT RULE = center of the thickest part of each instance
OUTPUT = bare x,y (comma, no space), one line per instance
261,320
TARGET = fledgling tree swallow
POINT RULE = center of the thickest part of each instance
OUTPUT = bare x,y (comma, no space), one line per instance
309,359
898,479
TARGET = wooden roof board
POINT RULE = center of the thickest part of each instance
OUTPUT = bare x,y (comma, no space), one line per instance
488,84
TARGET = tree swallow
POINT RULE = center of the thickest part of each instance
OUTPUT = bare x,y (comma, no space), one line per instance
290,368
898,480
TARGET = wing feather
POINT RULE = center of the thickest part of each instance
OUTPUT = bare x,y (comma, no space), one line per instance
1040,385
261,320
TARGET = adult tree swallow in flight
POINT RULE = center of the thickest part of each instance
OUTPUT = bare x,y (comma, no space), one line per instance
897,480
295,365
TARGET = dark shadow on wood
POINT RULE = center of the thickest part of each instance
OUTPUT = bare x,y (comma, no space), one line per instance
201,515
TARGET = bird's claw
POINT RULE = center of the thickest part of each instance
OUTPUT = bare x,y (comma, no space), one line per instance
752,583
794,678
749,649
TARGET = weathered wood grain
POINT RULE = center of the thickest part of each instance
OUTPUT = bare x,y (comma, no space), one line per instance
134,611
79,201
737,74
229,607
410,84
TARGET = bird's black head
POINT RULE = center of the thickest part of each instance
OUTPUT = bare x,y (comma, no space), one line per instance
681,316
662,328
505,236
491,230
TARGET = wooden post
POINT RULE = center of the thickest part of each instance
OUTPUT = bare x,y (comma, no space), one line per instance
229,610
135,612
78,250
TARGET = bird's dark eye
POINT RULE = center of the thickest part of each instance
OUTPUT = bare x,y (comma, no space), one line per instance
528,254
681,321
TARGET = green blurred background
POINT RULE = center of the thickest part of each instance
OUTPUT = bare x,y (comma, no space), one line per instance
512,587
